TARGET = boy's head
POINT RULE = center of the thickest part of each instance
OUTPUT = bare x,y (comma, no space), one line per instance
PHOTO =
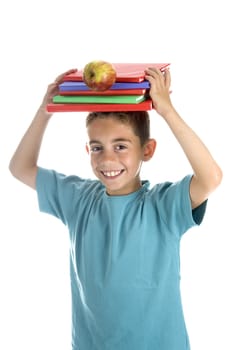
118,144
138,120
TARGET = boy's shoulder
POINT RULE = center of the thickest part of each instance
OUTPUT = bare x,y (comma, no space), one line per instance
162,188
54,179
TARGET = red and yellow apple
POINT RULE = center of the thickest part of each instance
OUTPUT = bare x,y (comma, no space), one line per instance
99,75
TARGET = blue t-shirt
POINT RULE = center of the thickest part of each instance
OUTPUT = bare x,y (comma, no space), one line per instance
124,260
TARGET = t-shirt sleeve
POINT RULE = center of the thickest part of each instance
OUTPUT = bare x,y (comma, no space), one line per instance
199,212
175,205
55,194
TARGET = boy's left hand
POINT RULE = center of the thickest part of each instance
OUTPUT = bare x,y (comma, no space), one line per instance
159,91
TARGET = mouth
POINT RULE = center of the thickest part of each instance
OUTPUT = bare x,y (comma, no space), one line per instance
111,174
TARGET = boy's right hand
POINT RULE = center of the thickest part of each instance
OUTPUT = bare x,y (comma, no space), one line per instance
53,89
23,164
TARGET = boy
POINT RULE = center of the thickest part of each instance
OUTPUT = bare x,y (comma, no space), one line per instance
124,236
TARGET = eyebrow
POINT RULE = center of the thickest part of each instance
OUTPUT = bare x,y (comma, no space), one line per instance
91,142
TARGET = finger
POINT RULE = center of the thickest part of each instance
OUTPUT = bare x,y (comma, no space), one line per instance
154,71
52,90
155,76
167,77
150,72
149,78
61,76
52,86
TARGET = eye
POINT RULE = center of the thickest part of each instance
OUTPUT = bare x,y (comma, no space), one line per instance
95,149
120,147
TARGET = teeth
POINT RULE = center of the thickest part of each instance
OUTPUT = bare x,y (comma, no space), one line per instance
111,173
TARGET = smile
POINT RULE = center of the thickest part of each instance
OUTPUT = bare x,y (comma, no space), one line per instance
112,173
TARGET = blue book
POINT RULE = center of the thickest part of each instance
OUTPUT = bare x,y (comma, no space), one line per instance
81,86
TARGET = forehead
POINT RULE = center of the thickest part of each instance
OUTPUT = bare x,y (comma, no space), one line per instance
109,123
110,128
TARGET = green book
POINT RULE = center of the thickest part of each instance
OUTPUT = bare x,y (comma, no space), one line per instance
127,99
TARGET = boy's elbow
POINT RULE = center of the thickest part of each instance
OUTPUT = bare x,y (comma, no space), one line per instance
213,180
26,176
217,177
15,169
12,168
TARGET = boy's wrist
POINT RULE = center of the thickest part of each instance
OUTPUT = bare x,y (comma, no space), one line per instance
42,110
169,113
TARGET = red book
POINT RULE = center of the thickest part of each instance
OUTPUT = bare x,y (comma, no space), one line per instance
91,107
125,72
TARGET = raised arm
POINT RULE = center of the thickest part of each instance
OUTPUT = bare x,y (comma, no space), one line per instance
207,173
23,164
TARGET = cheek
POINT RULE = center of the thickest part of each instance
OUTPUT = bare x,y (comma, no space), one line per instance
93,161
132,163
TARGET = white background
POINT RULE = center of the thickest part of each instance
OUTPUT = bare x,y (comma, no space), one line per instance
40,40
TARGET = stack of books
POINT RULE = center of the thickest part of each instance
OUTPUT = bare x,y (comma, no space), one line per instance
130,92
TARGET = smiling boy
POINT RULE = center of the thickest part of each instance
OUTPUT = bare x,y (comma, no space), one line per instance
116,151
124,235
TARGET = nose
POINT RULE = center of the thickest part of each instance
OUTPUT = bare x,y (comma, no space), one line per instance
108,156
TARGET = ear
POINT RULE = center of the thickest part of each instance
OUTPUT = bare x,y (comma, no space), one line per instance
87,149
149,149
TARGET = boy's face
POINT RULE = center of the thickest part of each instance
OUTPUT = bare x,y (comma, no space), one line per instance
116,155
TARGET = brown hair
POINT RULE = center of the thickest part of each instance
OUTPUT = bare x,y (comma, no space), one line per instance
139,120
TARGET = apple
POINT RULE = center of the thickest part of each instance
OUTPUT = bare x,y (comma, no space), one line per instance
99,75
